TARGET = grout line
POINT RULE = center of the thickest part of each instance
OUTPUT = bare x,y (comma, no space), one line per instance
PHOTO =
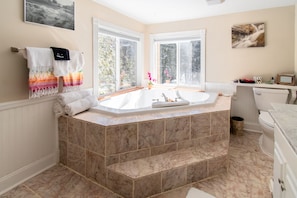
88,179
31,190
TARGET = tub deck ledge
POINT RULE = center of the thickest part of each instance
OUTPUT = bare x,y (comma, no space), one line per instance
222,103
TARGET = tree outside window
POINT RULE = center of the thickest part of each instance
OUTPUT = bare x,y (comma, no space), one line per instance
117,64
179,58
180,62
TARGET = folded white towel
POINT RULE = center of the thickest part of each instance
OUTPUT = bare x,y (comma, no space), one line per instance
81,105
75,64
58,109
39,58
66,98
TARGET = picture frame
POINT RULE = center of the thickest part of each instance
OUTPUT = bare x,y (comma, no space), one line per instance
248,35
57,13
285,79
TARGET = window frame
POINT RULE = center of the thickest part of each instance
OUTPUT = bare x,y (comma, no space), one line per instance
121,32
179,36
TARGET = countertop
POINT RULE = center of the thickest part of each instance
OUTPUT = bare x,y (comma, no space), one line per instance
293,89
285,116
266,85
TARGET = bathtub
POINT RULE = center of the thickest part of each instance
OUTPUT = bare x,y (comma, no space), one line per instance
146,101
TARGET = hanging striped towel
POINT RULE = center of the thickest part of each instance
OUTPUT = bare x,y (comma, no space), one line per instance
42,81
73,80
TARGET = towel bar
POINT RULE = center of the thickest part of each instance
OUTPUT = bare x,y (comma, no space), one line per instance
15,49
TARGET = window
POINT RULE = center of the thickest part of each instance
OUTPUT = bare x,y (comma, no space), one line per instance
117,58
179,58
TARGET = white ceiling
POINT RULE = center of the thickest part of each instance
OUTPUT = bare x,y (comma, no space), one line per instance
159,11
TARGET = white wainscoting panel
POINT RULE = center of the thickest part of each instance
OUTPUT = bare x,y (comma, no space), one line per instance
28,140
243,105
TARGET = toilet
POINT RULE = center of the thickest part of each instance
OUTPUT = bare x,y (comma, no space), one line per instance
263,98
195,193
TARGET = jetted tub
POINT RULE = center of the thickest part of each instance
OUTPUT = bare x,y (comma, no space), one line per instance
144,101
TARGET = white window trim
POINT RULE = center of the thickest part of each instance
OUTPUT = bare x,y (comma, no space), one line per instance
120,30
179,36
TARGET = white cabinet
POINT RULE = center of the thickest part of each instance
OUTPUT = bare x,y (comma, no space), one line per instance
278,172
285,167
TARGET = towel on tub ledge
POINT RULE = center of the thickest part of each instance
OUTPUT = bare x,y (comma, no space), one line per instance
58,109
66,98
81,105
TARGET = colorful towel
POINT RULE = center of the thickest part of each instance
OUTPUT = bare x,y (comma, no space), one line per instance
42,84
44,72
65,67
72,81
42,81
71,72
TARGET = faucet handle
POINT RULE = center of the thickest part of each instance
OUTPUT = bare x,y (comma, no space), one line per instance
165,97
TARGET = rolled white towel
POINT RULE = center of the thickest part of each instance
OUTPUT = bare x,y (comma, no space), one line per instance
66,98
81,105
58,109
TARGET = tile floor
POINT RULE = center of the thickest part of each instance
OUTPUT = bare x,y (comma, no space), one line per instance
248,177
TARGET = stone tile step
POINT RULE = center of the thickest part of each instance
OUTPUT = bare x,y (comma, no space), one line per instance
156,174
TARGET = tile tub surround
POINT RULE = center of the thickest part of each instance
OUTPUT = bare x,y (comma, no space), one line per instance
149,176
93,144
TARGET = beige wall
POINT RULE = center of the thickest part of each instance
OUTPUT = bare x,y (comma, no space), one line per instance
14,32
295,40
223,64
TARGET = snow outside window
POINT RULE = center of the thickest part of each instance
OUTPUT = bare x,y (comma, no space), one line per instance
117,58
179,58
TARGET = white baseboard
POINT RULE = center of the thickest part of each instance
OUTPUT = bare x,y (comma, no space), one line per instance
19,176
253,127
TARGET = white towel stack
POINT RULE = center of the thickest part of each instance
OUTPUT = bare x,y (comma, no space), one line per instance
72,103
66,98
58,109
81,105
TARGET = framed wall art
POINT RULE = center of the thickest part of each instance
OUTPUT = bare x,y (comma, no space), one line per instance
285,79
57,13
248,35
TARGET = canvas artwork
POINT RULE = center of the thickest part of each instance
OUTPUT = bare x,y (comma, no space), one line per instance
248,35
57,13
